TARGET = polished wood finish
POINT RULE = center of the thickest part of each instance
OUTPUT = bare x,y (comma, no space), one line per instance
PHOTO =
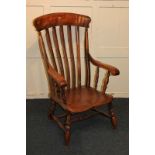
96,77
68,128
87,62
65,55
71,55
77,34
56,19
105,82
64,77
48,39
85,98
58,78
113,116
113,70
55,39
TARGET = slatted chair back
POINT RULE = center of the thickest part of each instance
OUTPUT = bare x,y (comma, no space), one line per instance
57,46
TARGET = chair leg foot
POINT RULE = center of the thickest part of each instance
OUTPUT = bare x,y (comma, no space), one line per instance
114,120
113,116
67,135
68,129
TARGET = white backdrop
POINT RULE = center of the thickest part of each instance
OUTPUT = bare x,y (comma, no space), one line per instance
108,40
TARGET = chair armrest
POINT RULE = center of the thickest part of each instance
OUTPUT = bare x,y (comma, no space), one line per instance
58,78
113,70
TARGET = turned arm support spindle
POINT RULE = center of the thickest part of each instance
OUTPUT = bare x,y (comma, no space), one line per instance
113,70
110,70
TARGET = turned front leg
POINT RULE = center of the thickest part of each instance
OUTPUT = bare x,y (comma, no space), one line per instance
68,128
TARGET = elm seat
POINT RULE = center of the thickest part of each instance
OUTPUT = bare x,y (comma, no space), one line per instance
61,47
83,99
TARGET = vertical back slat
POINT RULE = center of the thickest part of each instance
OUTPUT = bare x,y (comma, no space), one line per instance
48,39
77,34
45,60
71,55
55,39
87,63
65,55
96,77
52,87
43,50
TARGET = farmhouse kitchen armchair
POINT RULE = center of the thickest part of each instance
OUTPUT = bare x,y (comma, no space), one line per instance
62,61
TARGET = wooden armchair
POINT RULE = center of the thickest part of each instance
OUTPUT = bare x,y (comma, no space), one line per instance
64,71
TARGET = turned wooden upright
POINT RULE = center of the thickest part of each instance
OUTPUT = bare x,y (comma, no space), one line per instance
64,71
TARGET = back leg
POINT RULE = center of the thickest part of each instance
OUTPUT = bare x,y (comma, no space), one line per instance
51,110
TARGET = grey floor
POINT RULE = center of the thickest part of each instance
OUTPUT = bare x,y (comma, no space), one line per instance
89,137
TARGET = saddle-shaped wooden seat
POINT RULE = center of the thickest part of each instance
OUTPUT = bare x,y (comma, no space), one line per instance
82,99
